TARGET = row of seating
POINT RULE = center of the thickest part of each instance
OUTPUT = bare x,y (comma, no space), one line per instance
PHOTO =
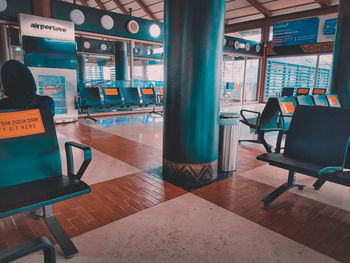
277,115
317,145
289,92
90,98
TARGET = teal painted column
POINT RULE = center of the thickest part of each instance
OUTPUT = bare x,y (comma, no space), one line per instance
194,31
341,61
121,60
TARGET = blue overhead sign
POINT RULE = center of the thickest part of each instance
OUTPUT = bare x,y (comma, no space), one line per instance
296,32
330,26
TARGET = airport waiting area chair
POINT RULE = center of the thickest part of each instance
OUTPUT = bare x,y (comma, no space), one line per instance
22,250
131,96
318,91
31,174
287,92
112,97
89,99
323,155
262,123
305,100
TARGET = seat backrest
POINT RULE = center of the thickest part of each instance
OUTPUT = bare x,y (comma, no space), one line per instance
287,92
112,96
305,100
333,100
318,134
318,91
161,91
90,97
320,100
302,91
28,147
131,96
148,96
269,115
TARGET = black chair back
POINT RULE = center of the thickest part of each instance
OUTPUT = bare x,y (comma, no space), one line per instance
148,96
305,100
29,147
320,100
287,92
131,96
112,96
90,97
269,116
318,134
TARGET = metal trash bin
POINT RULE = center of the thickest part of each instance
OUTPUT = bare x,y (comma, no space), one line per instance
228,141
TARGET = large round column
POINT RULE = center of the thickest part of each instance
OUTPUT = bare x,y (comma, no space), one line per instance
41,8
194,31
341,61
4,48
121,60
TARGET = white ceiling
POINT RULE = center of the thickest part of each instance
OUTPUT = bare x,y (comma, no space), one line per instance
236,10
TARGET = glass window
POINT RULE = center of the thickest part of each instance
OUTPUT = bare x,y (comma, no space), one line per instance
251,80
98,68
254,34
295,72
324,71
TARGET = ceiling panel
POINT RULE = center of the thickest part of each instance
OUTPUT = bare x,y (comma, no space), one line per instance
237,11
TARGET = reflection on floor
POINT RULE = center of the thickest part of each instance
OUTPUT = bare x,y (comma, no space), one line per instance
132,216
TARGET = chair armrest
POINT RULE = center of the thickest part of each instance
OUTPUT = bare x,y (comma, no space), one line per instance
28,248
70,161
330,169
250,111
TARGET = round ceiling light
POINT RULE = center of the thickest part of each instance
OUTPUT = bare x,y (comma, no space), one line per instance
3,5
77,16
133,27
154,30
104,47
257,48
247,47
237,45
87,45
107,22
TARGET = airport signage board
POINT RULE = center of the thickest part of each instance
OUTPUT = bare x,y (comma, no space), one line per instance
305,31
296,32
43,27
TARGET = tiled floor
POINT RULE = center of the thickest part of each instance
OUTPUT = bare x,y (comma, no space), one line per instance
132,216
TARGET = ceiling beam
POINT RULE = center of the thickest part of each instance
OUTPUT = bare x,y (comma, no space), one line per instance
262,9
83,2
121,7
100,5
323,3
147,11
276,19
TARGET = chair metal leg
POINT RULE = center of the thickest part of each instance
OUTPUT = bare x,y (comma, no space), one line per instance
91,118
279,141
283,188
63,240
318,184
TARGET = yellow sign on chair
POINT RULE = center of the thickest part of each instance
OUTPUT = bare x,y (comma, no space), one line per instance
287,107
20,123
333,100
111,92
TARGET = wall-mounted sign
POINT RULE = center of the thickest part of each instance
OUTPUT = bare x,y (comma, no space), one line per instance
37,26
296,32
305,31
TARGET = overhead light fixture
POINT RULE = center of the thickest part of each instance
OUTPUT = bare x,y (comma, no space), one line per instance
133,27
3,5
77,16
154,30
107,22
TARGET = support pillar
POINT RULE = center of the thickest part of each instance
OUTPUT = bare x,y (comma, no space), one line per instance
341,61
41,8
194,31
4,45
121,60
